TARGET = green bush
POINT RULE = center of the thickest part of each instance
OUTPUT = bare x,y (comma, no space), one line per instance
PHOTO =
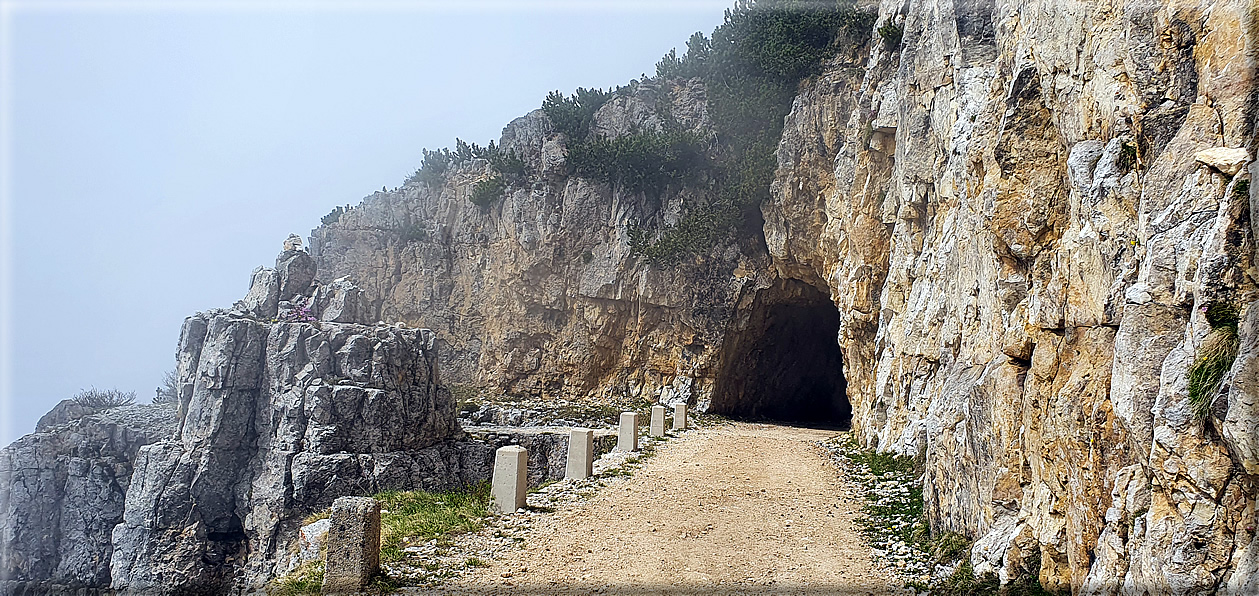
892,34
487,191
574,115
640,163
432,168
751,68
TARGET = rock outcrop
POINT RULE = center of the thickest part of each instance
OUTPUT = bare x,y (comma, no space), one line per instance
280,414
62,490
1022,212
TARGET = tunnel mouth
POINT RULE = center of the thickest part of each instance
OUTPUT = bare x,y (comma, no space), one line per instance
781,360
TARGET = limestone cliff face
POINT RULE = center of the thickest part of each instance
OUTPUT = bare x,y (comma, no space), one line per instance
1009,207
1022,246
538,294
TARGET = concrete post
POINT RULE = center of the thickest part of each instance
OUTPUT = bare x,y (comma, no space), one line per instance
627,440
511,475
657,421
353,545
679,416
581,454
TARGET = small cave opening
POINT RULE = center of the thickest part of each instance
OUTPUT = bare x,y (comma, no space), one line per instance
781,360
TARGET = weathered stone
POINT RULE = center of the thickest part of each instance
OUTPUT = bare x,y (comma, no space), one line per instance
353,545
657,421
581,454
679,416
510,482
627,436
62,491
295,271
1224,159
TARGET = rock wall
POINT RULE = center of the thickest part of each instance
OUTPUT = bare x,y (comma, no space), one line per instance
1020,210
62,490
279,414
539,294
1022,238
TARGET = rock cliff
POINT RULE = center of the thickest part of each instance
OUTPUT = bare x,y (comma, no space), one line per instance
62,490
280,413
1023,213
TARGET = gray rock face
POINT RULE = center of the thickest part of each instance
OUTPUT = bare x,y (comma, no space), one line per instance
279,419
62,490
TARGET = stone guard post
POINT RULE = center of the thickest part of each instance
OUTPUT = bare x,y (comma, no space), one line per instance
581,454
511,477
627,439
657,421
353,545
679,416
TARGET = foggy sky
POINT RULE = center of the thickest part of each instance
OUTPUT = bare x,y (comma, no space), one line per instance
156,155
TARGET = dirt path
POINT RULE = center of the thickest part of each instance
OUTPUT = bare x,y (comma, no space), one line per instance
736,509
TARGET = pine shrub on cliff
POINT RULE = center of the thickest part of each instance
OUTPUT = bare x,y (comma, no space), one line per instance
751,67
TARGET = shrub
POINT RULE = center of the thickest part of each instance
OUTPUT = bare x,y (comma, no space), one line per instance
413,233
1127,157
640,163
751,67
574,115
168,392
892,34
333,216
104,398
1214,357
432,168
486,191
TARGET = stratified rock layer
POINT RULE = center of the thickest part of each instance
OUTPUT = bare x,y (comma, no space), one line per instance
1020,211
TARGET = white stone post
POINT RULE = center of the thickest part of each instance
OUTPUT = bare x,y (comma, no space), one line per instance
657,421
353,545
627,440
581,454
679,416
511,474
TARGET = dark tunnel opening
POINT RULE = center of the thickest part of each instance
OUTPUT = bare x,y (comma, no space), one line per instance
781,360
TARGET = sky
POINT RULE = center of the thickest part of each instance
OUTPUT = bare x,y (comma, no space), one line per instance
155,153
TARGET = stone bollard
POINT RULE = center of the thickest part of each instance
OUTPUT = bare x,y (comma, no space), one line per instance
627,440
581,454
511,475
679,416
353,545
657,421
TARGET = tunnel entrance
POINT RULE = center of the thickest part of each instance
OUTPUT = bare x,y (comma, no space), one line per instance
781,359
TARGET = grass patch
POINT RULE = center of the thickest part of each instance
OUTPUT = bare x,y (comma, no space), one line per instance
306,579
1214,357
475,562
420,515
316,516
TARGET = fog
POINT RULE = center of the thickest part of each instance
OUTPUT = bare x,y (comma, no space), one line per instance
155,153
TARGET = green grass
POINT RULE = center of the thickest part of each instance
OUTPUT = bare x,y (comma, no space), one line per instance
420,515
307,579
1214,357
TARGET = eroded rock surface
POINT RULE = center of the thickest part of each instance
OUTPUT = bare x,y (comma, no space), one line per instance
62,490
1020,211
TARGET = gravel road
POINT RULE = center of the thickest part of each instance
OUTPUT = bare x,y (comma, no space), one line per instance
735,509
